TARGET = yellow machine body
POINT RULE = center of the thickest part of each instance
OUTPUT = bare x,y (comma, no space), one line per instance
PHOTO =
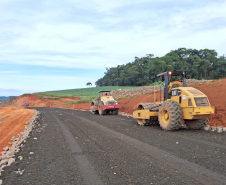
105,99
144,114
194,104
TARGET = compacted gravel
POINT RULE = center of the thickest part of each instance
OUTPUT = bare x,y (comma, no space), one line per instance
76,147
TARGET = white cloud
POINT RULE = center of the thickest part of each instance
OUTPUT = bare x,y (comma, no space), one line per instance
112,39
103,5
196,16
94,34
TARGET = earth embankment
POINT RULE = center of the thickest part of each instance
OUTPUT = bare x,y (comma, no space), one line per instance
35,101
12,122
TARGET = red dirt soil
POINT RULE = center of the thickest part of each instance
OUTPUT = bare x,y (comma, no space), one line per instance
12,122
34,101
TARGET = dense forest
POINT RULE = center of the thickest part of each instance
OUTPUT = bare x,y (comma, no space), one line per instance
198,64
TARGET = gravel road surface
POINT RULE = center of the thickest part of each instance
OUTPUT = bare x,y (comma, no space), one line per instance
75,147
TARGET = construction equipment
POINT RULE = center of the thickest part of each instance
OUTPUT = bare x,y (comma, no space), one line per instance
105,104
180,103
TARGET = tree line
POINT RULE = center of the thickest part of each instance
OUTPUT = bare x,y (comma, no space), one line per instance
198,64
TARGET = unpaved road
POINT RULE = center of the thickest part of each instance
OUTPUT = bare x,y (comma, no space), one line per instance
76,147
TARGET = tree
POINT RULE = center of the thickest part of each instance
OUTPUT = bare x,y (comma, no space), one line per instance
88,84
198,64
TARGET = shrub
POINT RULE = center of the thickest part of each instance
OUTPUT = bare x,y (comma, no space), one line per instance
85,99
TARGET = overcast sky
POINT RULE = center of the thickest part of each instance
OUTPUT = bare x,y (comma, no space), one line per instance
63,44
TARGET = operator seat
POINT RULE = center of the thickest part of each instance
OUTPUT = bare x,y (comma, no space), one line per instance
174,85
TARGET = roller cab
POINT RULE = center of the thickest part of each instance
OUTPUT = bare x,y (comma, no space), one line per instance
105,104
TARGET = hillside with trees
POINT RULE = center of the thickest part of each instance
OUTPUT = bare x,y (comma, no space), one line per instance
198,64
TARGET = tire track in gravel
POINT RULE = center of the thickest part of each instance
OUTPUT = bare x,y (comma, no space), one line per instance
202,142
206,155
182,136
190,169
88,173
197,146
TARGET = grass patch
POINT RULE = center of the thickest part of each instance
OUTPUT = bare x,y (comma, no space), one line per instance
41,97
49,97
92,91
53,98
85,99
52,95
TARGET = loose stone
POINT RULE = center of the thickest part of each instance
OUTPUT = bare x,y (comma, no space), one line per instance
6,148
219,129
213,128
4,162
10,161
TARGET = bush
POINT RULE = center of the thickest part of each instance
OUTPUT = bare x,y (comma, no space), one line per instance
158,83
85,99
42,97
53,98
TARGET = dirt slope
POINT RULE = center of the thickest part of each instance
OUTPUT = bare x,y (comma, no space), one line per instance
12,122
34,101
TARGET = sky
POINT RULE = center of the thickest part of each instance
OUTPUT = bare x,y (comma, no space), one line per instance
63,44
